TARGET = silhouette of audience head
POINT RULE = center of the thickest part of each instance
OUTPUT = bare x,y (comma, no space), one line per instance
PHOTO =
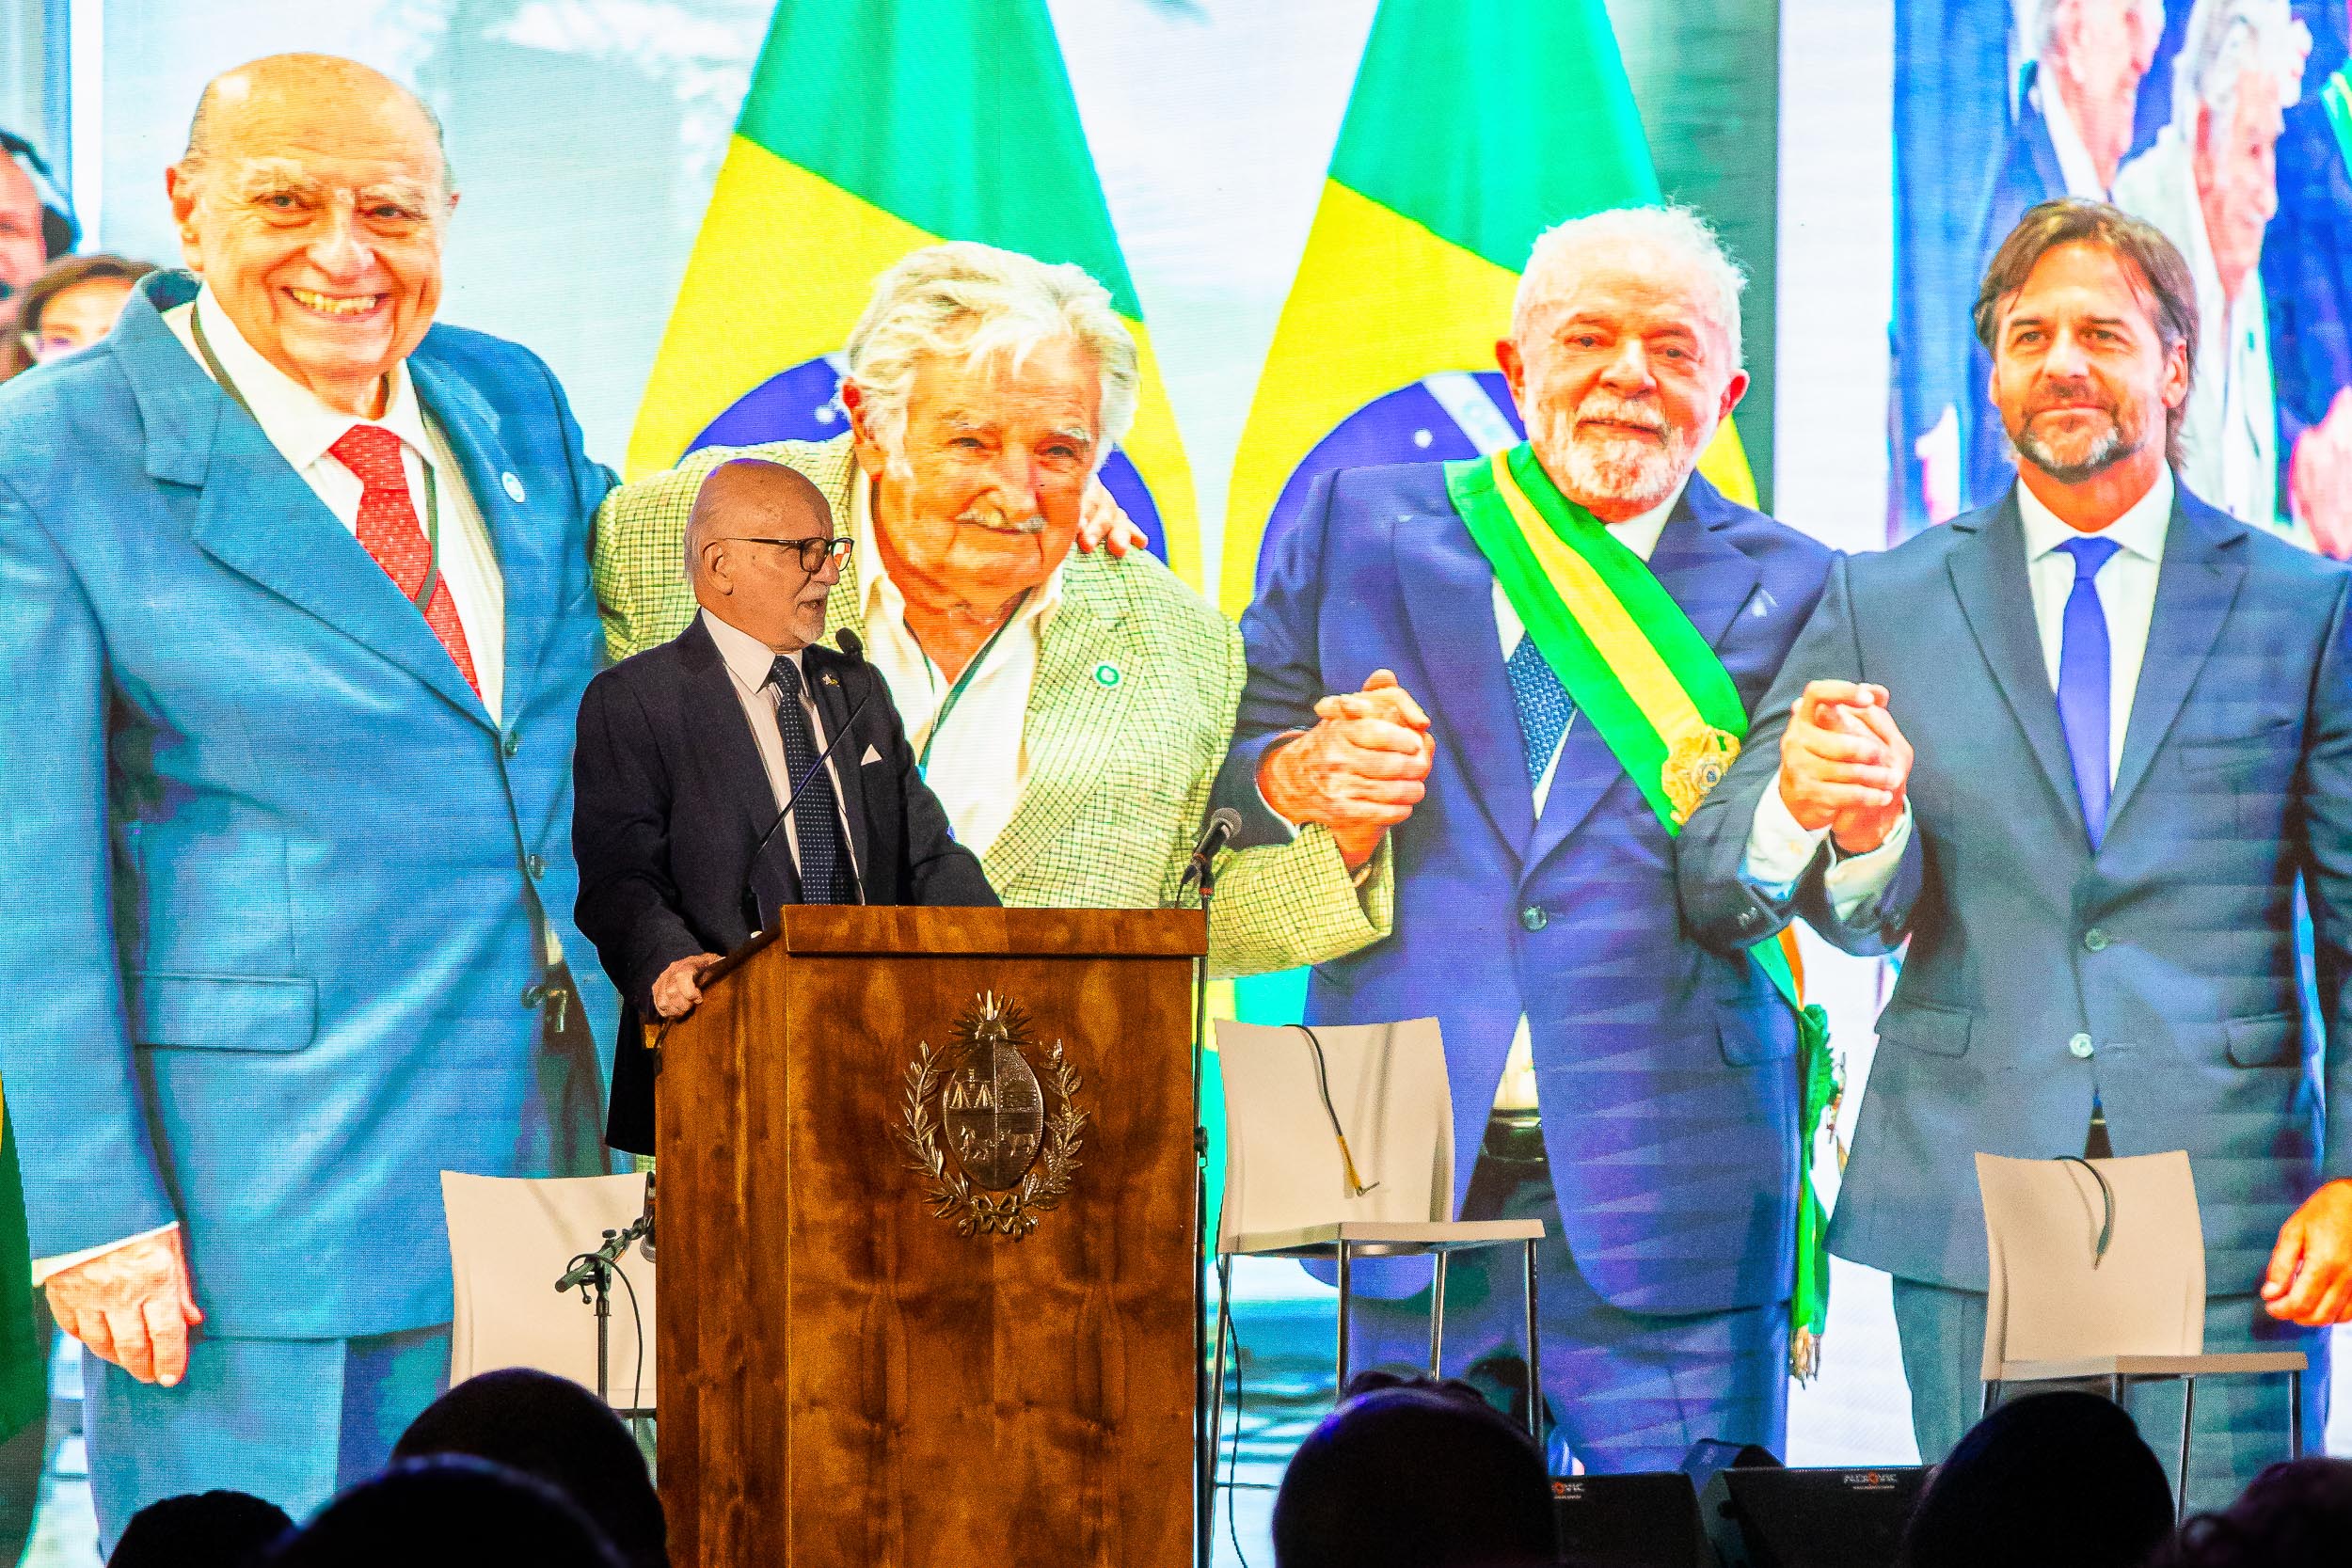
2060,1479
1411,1473
2297,1514
204,1529
453,1512
554,1430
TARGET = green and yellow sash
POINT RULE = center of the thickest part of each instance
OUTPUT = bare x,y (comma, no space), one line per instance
1644,678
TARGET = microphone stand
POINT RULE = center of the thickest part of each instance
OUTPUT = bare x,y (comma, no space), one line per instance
1204,1460
590,1275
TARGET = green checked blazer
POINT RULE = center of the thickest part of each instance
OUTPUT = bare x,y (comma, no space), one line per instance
1137,682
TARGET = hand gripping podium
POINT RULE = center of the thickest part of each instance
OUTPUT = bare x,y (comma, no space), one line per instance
926,1233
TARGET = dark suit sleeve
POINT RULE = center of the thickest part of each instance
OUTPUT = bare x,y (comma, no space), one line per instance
629,903
1279,631
1720,905
2324,807
939,870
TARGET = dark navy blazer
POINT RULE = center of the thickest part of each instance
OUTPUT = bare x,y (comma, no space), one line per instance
1666,1072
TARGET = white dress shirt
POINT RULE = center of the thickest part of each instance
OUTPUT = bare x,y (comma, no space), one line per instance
749,661
1779,851
978,762
302,427
2074,161
1517,1091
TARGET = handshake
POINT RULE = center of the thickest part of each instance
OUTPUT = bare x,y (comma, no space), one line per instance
1359,772
1844,764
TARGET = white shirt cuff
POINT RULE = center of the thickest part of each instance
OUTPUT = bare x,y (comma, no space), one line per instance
45,1267
1779,851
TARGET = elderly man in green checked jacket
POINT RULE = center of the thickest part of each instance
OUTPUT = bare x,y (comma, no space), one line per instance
1070,710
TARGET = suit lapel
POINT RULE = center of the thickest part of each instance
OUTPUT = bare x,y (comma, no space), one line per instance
717,727
1710,580
1448,590
470,430
829,674
2196,585
1090,667
1988,573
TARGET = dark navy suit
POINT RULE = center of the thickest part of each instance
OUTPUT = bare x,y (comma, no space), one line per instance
2158,975
1667,1073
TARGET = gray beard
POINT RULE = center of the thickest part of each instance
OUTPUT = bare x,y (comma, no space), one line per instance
2106,451
1627,471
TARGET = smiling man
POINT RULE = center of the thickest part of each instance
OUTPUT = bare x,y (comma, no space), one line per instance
2131,720
1636,1091
297,616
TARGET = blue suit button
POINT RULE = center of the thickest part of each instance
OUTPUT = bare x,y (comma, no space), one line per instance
1534,917
534,994
536,866
2079,1047
513,743
2096,940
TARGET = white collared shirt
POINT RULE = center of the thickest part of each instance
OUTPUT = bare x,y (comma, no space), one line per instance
978,762
1779,851
302,427
749,662
2073,159
1517,1091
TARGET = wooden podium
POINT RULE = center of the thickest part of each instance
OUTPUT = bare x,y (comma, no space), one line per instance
926,1229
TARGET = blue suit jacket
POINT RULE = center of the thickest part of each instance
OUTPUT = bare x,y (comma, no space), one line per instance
2171,949
2307,275
270,867
1666,1072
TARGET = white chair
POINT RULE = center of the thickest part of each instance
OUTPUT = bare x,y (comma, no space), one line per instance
1339,1144
509,1241
2098,1273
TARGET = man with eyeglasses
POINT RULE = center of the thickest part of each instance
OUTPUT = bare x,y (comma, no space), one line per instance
688,751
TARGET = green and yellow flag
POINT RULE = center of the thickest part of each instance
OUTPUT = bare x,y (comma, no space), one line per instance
24,1377
1471,129
873,128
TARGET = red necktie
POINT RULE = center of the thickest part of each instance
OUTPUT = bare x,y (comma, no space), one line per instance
388,531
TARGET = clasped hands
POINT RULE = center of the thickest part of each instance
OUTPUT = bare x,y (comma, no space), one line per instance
1359,772
1844,764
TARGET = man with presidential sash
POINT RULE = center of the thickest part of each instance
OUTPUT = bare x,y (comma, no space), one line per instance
1587,624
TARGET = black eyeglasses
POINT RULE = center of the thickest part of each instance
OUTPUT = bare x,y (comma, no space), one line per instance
813,553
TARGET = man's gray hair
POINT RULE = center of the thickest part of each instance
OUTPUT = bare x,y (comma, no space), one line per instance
2226,38
1676,233
969,302
2036,22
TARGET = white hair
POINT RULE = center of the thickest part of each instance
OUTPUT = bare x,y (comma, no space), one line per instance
2037,20
969,302
2226,38
1672,234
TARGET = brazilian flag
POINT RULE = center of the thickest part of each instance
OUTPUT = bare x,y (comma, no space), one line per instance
874,128
1471,129
24,1387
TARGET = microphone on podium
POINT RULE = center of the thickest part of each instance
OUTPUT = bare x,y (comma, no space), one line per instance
1224,823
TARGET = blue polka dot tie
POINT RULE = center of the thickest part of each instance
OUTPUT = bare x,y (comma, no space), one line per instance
1544,706
824,861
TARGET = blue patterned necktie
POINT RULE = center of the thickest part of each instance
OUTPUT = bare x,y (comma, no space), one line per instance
1544,706
816,815
2086,673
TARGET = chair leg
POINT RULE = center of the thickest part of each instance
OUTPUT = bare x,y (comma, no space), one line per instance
1339,1391
2294,1416
2189,1413
1216,1378
1436,1317
1534,1358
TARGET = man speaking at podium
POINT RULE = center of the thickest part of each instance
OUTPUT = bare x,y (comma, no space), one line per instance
740,767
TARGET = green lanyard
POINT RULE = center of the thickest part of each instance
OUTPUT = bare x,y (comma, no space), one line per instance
423,595
955,692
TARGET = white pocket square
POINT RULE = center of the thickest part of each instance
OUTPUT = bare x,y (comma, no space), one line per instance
871,757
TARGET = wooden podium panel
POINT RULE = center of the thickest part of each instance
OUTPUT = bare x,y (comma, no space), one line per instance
845,1376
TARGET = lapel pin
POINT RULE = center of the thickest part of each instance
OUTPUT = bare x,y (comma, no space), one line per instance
1107,674
832,679
513,486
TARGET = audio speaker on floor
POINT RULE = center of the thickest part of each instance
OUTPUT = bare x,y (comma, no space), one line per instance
1769,1517
1634,1521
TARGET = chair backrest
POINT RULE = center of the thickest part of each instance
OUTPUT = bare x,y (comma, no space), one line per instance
2054,1296
509,1241
1388,1086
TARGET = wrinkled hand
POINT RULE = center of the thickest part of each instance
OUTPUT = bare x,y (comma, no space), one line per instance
1103,524
1844,764
133,1305
2319,478
1359,772
2309,1277
675,992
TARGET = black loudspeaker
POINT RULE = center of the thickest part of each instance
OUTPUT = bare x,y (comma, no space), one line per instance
1636,1521
1767,1518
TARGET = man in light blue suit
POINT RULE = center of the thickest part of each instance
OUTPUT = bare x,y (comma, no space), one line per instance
294,619
2124,739
1636,1091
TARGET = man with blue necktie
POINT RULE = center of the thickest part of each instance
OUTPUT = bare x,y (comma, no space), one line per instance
294,619
2126,738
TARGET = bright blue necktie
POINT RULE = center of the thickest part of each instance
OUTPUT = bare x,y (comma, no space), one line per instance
2085,681
1543,704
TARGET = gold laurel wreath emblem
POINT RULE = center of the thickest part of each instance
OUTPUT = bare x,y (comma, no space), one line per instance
950,1193
1696,763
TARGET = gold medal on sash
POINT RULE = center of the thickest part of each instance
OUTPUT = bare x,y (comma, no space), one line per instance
1696,763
